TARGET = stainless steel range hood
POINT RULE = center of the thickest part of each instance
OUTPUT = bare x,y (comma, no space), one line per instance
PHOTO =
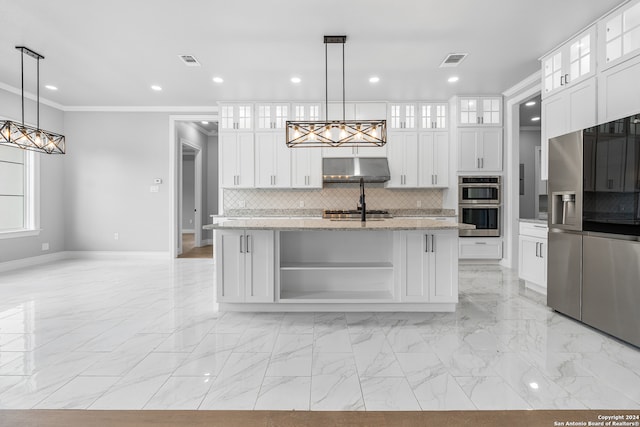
351,169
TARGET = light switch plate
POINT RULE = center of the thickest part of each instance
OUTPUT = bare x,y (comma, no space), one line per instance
157,180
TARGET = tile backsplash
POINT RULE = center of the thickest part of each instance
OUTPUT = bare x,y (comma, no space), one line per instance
333,196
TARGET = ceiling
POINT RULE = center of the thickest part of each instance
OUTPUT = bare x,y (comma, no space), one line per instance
110,53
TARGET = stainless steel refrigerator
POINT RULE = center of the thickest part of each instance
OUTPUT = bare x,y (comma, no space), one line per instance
564,258
594,227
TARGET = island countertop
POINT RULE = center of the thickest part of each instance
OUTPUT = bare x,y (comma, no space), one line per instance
338,225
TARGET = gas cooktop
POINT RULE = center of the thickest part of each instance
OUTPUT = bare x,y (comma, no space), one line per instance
354,214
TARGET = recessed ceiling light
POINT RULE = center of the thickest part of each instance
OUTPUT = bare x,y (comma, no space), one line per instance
204,122
530,103
51,87
295,80
535,119
453,79
218,79
156,88
374,79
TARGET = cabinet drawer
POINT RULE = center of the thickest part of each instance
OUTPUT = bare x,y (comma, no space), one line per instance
533,230
472,248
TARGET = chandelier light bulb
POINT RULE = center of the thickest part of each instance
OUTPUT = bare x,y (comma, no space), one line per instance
327,132
343,132
374,132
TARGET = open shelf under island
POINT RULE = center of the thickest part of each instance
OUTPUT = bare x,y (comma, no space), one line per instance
324,265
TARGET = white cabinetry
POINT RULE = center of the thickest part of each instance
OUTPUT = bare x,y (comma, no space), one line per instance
273,160
402,116
433,115
480,150
571,63
340,111
566,111
433,159
245,266
236,159
428,266
403,163
236,117
619,35
272,116
619,91
532,266
306,111
486,110
306,167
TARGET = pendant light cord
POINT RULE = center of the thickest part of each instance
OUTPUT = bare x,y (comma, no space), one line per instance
343,101
38,94
326,83
22,81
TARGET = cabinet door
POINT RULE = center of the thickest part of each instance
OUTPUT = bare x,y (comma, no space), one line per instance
443,267
402,116
273,161
245,160
491,158
433,158
230,265
468,111
228,159
433,116
371,111
306,112
414,277
306,168
490,111
259,266
619,91
468,159
402,153
532,265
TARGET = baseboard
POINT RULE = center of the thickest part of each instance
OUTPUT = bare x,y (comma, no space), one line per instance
91,255
188,230
32,261
206,242
116,255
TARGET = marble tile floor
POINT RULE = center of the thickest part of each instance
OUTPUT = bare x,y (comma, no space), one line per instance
145,335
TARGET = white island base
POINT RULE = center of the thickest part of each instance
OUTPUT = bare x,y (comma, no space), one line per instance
360,269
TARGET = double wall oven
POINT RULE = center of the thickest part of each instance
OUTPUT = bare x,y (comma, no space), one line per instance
479,202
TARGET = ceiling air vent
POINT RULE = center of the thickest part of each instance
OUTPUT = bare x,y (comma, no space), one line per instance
189,60
453,59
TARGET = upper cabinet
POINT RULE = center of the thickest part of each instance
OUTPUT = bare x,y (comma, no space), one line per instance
480,150
272,116
402,116
306,112
573,62
619,35
486,110
433,116
236,117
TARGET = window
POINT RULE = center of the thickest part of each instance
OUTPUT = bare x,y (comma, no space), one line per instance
18,193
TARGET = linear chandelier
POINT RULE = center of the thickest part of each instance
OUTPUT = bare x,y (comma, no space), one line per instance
335,133
13,134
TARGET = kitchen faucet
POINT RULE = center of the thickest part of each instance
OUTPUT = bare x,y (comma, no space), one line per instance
363,205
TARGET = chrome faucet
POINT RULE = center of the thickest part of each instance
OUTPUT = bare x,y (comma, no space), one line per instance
363,204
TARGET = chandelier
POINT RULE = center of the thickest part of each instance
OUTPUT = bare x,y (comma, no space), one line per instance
336,133
13,134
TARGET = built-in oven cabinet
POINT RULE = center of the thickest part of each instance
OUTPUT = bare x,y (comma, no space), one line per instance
480,248
428,266
532,265
480,150
245,265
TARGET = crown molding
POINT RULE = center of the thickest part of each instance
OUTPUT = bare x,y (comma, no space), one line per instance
31,96
535,78
144,109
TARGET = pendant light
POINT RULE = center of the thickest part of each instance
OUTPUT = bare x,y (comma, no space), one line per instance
19,135
336,133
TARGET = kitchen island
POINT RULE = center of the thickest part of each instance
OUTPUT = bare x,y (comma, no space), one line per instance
324,265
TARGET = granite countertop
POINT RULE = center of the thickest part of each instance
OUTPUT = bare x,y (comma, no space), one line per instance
534,221
260,213
326,224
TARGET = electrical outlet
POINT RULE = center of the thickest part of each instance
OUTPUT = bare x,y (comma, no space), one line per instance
302,203
241,203
45,246
116,236
154,189
419,203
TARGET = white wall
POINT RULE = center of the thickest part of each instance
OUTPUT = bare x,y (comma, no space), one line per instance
52,190
111,162
188,192
529,139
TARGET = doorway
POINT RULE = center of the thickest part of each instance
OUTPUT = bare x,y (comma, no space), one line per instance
193,176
